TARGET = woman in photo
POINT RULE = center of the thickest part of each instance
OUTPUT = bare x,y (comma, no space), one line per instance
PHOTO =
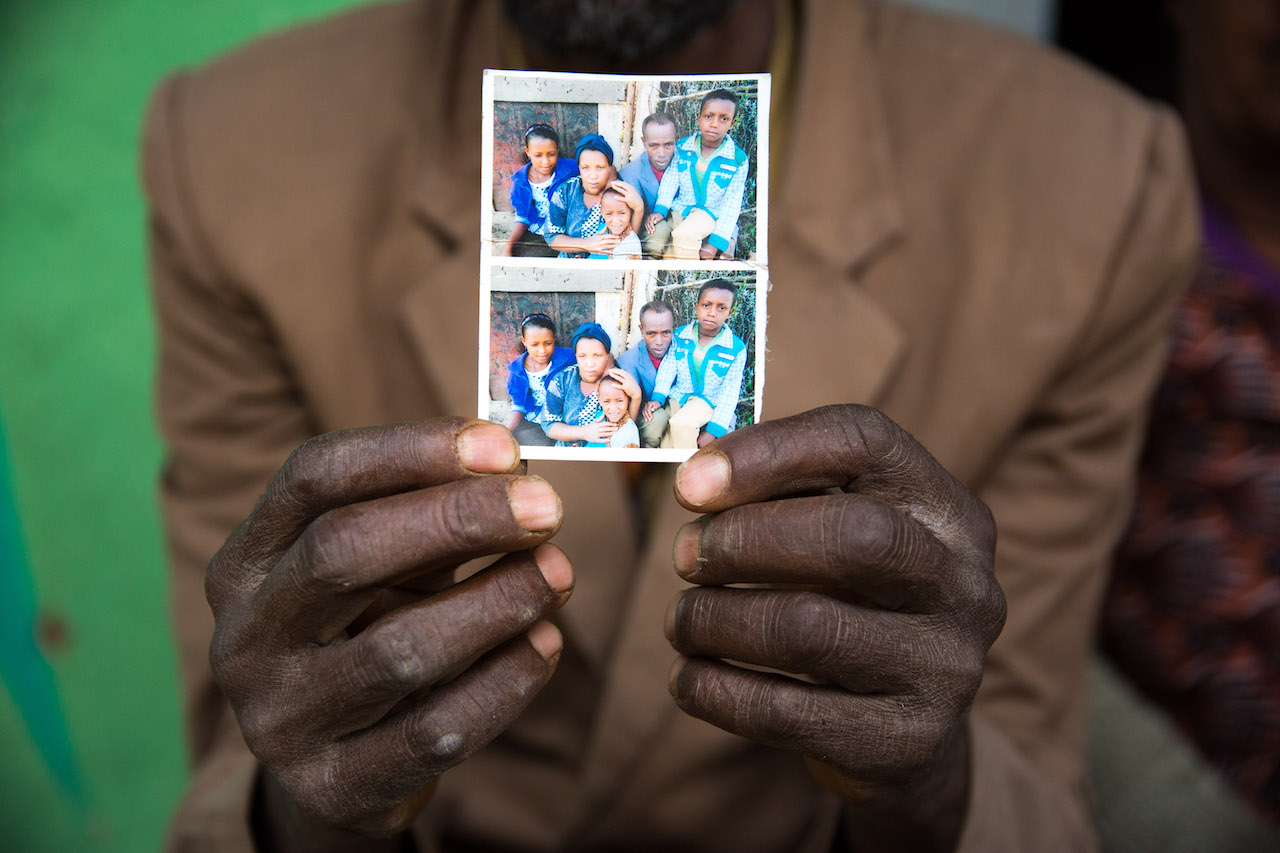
575,224
573,413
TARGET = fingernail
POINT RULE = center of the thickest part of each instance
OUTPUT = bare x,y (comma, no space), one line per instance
702,478
685,551
534,504
673,613
673,675
545,639
555,567
487,449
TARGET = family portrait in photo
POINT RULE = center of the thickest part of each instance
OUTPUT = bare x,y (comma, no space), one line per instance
622,359
608,169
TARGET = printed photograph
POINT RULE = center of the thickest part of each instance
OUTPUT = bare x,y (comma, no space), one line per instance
636,364
599,167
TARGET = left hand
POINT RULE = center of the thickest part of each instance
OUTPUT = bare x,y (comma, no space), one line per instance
886,600
628,382
708,252
705,438
630,195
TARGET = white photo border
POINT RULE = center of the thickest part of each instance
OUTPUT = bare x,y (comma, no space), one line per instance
490,262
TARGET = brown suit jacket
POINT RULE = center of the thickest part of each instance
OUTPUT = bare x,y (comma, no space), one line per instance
976,236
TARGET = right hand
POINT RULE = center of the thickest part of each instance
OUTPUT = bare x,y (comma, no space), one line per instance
599,430
651,222
648,410
358,672
601,244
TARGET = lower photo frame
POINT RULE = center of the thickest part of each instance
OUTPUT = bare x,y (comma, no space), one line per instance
621,364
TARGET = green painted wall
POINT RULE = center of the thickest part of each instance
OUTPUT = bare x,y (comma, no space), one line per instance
89,728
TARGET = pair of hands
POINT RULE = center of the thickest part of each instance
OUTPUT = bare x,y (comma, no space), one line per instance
359,672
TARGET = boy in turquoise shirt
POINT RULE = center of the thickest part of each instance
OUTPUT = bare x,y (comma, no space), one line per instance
705,184
701,376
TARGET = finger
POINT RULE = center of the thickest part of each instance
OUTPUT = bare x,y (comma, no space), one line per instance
351,466
861,649
848,447
336,568
849,541
421,644
876,738
385,765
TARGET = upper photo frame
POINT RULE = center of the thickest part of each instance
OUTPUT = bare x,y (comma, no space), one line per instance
634,169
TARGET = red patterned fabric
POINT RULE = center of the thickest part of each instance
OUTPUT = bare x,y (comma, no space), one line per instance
1193,612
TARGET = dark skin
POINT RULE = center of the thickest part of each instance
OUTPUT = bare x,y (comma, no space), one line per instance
1229,53
359,672
885,595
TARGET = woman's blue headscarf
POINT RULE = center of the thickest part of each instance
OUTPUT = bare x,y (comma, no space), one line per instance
594,142
594,331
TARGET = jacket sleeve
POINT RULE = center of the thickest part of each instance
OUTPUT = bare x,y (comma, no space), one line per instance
517,390
1061,496
229,416
725,406
730,209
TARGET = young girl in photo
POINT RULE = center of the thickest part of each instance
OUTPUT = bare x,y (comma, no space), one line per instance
531,189
528,375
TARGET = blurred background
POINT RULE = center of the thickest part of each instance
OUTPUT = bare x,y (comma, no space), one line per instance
89,727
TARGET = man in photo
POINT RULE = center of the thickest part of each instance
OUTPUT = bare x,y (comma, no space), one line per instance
658,135
701,378
657,325
707,184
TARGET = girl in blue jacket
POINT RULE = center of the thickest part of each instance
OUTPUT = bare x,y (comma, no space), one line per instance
531,189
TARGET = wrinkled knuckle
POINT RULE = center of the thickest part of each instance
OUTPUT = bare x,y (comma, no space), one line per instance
392,659
328,551
817,625
261,723
963,675
465,516
868,534
876,432
317,792
307,475
438,747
